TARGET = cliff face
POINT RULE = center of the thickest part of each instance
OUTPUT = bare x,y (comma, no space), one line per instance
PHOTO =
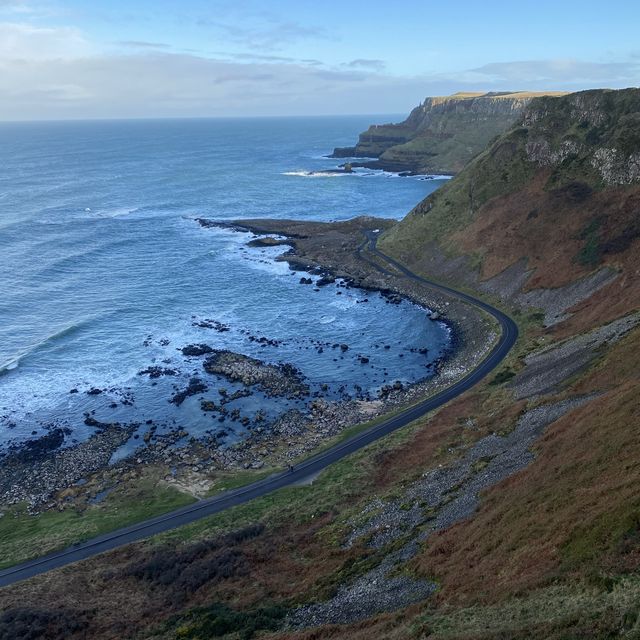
442,134
597,133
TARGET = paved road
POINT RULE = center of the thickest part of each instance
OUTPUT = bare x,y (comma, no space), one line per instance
300,472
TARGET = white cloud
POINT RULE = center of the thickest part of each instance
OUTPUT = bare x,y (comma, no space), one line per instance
365,63
16,6
564,72
21,41
266,36
143,44
51,73
155,85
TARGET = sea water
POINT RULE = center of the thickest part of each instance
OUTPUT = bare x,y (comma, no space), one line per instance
104,271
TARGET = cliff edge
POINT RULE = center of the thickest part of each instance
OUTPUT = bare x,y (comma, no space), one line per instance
442,134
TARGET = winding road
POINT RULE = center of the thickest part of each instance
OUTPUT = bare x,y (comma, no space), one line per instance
306,469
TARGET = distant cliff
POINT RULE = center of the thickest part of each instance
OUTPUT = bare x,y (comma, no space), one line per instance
441,135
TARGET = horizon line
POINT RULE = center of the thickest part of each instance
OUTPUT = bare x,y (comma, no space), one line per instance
225,117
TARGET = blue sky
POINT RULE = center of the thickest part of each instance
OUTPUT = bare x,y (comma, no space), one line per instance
143,58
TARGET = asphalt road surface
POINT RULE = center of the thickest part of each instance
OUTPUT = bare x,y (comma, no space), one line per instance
310,467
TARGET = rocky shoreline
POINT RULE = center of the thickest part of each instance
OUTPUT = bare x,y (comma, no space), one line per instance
326,252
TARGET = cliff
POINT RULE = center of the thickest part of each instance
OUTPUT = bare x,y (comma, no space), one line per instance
441,135
580,151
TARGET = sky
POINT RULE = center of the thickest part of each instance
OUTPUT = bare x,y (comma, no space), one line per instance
68,59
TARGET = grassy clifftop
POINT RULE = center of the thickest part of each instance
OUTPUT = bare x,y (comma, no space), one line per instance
443,133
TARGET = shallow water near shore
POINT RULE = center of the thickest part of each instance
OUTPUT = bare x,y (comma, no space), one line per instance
104,272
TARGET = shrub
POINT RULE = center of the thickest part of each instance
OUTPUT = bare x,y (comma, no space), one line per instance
184,570
503,376
28,623
219,620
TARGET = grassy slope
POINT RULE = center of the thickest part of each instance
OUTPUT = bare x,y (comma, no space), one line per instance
562,219
24,536
572,518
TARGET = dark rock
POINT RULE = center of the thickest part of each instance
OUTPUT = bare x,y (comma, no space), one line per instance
157,372
343,152
32,450
194,387
196,350
325,280
212,324
268,242
90,421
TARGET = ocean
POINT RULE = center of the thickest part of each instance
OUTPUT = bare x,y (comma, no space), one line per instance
104,271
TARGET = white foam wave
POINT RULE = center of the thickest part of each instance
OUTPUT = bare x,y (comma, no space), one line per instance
113,213
316,174
10,365
14,361
363,172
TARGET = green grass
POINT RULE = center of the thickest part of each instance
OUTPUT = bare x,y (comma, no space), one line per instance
610,532
590,254
228,480
500,169
504,168
218,620
504,375
556,612
24,536
343,483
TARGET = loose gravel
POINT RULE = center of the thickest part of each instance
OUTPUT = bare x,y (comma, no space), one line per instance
438,500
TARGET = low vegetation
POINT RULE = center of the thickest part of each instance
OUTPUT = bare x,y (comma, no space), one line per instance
24,536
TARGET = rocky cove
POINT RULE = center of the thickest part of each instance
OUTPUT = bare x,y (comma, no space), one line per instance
250,431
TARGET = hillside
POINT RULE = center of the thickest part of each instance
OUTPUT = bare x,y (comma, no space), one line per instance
442,134
511,512
554,198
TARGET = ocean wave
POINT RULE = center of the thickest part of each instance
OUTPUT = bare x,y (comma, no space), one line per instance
62,215
364,172
266,264
118,212
327,319
317,174
14,361
74,261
